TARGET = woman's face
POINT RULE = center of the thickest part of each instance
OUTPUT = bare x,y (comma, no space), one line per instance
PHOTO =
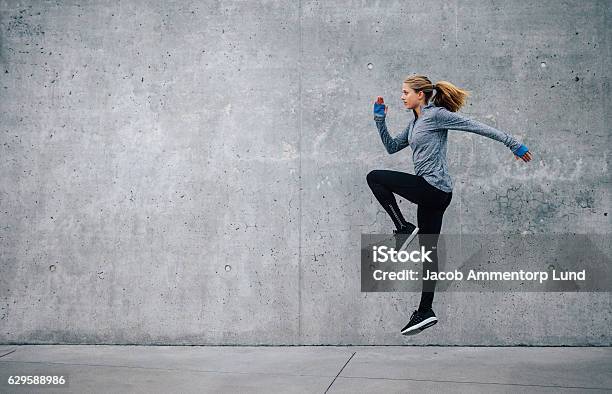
411,98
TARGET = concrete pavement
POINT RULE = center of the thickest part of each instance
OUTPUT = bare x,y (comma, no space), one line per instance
305,369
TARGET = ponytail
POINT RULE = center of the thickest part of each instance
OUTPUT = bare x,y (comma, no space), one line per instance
449,96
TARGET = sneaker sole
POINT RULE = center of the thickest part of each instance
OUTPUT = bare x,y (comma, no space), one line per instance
409,239
417,328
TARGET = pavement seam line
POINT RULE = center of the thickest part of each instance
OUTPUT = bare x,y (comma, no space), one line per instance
341,369
6,354
474,382
163,369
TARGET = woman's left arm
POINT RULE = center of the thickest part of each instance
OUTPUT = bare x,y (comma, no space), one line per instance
446,119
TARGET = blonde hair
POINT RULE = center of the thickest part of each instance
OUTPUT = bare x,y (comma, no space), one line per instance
447,95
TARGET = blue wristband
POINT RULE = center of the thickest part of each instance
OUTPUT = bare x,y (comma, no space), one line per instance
379,109
521,150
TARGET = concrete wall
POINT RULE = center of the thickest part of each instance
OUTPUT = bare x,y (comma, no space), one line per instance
194,172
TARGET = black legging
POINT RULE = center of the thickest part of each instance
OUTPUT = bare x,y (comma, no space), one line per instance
431,204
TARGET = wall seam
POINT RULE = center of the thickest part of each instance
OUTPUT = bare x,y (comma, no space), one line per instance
299,149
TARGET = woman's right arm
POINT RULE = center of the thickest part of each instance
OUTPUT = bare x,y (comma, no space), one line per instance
391,144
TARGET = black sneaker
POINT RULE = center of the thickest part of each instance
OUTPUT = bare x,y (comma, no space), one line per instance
419,321
404,236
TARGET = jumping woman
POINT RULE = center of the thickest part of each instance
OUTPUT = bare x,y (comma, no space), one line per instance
431,186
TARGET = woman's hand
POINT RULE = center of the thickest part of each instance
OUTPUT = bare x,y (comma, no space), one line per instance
526,157
522,153
380,109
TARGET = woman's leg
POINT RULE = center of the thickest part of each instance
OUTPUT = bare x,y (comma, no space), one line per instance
430,222
432,204
385,182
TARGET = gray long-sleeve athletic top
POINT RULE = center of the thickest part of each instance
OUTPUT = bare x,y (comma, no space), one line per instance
427,137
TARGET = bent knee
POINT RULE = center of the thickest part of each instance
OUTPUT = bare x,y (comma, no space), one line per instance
372,175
